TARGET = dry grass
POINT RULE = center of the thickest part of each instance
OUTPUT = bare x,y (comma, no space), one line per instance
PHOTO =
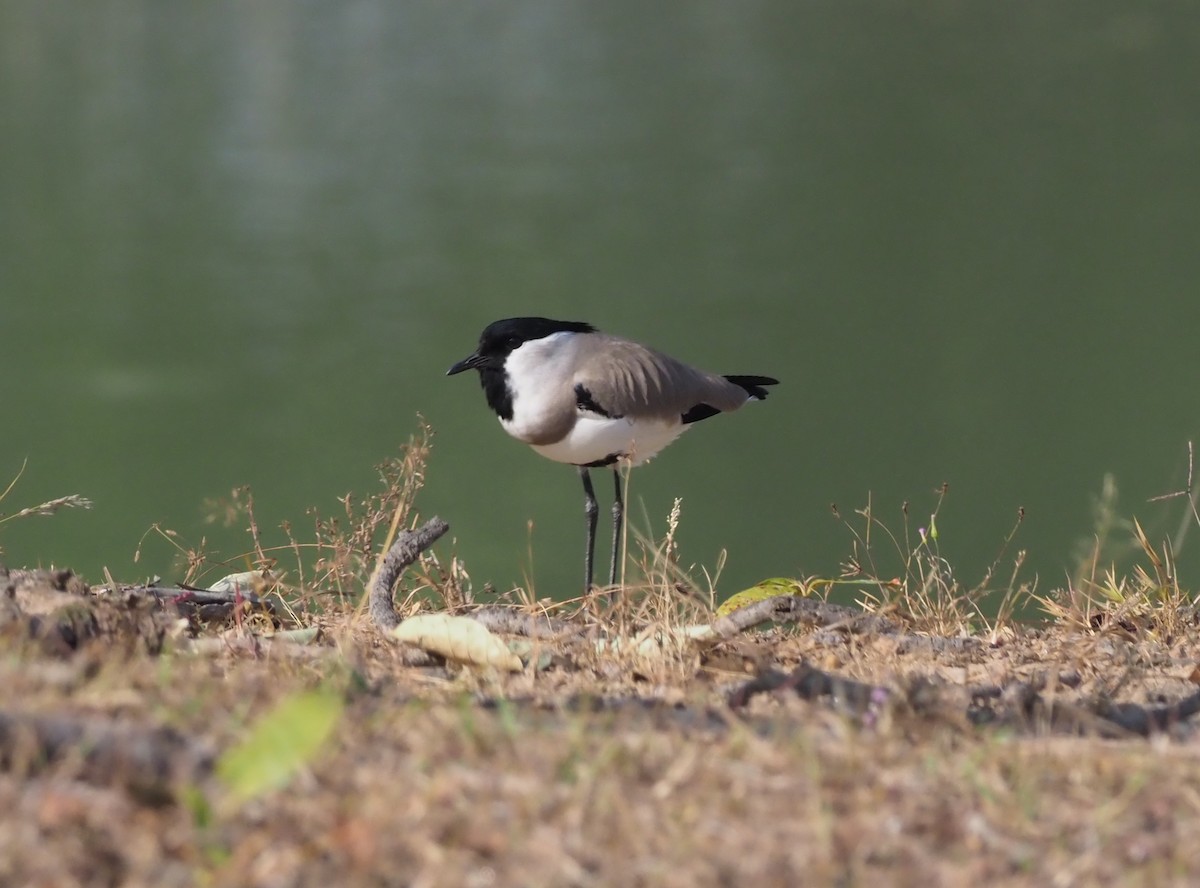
617,762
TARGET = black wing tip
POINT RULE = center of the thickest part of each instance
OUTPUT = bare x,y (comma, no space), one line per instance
697,413
754,384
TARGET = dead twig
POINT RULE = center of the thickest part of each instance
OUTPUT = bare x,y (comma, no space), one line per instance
405,551
833,618
1148,720
1021,704
798,609
848,695
511,621
203,605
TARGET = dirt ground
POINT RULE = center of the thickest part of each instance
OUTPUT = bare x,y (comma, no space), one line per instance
814,749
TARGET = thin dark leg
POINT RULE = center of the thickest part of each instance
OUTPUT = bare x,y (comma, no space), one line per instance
618,514
591,510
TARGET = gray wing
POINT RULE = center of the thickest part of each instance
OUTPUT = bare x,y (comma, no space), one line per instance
616,377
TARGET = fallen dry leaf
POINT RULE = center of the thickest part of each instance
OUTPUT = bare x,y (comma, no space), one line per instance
457,638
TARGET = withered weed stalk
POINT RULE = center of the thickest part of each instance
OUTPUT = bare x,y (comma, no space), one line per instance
1146,596
907,575
658,593
901,571
653,592
1110,540
335,567
645,617
50,507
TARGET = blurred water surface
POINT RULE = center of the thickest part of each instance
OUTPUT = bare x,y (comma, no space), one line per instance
241,243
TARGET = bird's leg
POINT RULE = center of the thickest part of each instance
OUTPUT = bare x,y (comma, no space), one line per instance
591,510
618,511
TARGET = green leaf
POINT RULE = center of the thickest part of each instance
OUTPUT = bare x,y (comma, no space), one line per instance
280,743
771,588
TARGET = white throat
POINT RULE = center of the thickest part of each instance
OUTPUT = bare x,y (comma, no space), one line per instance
539,374
539,362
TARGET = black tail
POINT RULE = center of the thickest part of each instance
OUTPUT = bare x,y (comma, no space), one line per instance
753,384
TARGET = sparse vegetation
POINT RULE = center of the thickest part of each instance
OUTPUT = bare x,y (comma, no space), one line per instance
892,724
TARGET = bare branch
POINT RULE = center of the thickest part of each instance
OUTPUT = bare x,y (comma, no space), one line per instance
405,551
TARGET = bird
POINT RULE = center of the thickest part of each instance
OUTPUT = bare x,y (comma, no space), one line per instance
592,400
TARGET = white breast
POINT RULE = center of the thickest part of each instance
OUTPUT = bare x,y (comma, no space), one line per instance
595,438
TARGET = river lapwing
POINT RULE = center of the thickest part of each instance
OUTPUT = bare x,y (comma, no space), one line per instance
579,396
